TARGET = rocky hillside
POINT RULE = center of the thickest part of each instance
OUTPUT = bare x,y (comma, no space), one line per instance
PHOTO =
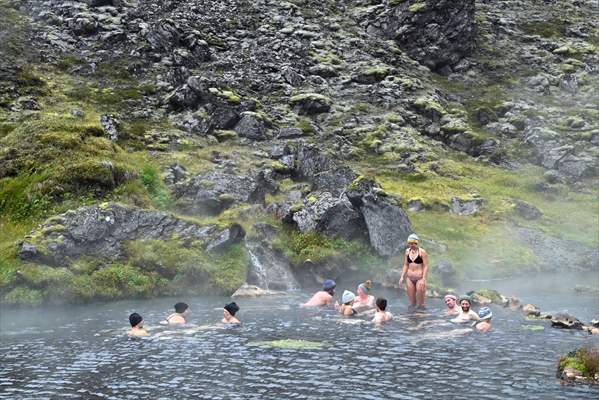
162,147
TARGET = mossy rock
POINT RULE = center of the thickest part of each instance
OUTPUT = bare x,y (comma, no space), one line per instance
311,103
418,7
23,296
430,107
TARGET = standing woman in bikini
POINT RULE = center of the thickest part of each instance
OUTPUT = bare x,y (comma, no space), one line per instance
415,267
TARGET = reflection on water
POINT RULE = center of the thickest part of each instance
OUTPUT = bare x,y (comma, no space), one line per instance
83,352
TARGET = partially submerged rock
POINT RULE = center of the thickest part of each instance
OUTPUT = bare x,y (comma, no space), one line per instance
531,310
565,321
252,291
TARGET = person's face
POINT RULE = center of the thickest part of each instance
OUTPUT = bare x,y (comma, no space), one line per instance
227,314
465,305
361,292
450,303
413,244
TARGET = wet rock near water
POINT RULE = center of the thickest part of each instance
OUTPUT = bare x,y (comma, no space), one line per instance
252,291
101,231
268,268
565,321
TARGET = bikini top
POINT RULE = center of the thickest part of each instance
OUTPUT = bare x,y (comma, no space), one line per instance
418,259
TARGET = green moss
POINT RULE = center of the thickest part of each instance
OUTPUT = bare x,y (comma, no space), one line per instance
121,281
429,105
490,294
23,296
309,97
417,7
318,248
305,125
229,95
552,28
191,267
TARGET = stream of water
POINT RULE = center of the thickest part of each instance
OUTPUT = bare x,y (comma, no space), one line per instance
83,352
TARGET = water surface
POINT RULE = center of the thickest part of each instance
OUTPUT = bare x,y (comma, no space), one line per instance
83,352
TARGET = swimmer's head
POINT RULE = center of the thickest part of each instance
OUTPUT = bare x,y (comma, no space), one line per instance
485,313
136,320
181,308
231,308
348,297
381,303
329,286
465,303
450,300
413,239
364,288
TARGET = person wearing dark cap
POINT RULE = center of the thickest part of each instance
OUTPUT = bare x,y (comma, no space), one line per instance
229,314
323,297
137,325
180,315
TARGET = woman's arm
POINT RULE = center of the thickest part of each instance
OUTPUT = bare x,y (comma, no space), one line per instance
424,264
404,270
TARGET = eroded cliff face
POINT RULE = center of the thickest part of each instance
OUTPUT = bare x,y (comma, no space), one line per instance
342,126
437,33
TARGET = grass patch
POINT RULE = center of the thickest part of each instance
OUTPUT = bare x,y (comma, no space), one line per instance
585,360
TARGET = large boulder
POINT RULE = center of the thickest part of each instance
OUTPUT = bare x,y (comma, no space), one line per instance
437,33
268,268
214,191
387,223
329,215
100,231
321,171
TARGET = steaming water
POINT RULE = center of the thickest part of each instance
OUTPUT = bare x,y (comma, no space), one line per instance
83,352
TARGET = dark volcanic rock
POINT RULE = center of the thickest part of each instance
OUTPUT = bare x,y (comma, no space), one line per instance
268,268
329,215
437,33
527,210
100,231
232,235
251,126
214,191
322,172
565,321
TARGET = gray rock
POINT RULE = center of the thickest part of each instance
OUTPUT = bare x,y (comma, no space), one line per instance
310,103
212,192
253,291
175,173
465,206
527,210
290,133
447,273
322,171
531,310
111,126
437,33
580,166
251,126
101,231
329,215
565,321
268,268
227,237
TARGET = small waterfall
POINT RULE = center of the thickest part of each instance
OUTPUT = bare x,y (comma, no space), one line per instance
259,270
269,270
